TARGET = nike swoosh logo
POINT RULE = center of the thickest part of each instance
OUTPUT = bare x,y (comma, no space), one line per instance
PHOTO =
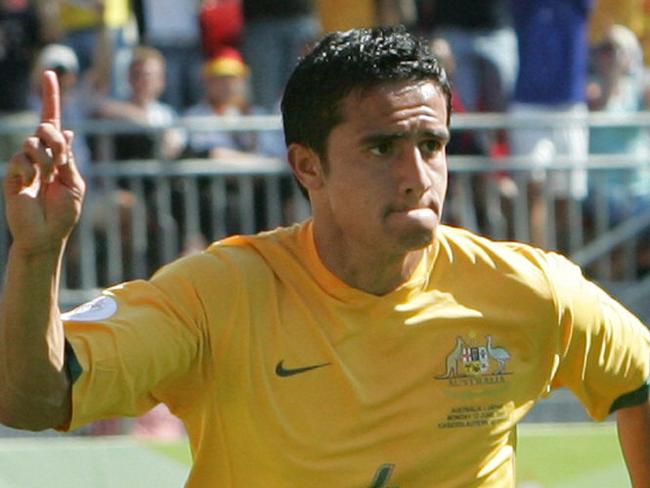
283,372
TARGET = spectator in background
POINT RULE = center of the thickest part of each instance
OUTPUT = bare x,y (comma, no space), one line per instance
617,86
552,40
81,23
25,26
156,139
143,108
276,33
633,14
172,27
225,81
221,23
342,15
483,43
396,12
84,23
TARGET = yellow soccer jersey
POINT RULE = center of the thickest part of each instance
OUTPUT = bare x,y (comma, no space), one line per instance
286,377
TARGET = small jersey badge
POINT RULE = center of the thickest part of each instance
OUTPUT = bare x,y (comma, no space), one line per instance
473,364
101,308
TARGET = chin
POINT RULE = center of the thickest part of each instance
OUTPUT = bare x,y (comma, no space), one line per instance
411,234
416,240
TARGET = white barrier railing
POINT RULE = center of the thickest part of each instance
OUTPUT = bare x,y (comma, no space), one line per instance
141,214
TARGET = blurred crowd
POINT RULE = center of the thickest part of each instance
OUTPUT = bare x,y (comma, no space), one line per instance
148,63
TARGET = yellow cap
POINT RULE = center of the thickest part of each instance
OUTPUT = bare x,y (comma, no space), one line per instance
228,62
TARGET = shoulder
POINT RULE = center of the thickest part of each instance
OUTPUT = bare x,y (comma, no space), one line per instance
215,277
457,241
532,267
268,250
543,273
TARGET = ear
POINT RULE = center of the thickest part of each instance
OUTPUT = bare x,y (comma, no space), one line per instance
306,166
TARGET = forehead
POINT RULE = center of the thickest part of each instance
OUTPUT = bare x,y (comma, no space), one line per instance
394,104
146,65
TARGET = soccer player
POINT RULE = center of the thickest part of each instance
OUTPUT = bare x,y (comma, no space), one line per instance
367,346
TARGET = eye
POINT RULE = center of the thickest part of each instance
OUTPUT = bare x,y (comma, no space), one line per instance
382,148
430,146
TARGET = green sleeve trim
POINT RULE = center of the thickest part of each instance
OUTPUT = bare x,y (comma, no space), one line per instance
632,399
72,365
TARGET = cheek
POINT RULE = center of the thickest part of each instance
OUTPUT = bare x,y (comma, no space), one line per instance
356,192
444,179
441,172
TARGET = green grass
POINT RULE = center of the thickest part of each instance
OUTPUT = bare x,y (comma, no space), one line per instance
85,462
178,451
576,456
548,456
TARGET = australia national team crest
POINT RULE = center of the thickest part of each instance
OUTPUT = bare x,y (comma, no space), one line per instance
473,363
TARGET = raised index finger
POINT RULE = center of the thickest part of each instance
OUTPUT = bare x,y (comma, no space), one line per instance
51,111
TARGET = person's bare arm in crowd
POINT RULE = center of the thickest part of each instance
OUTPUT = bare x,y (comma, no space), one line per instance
49,18
102,67
95,82
43,196
634,435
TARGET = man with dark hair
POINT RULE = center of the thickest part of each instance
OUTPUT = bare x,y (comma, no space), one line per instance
367,346
344,62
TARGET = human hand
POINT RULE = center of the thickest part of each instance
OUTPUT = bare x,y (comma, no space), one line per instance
43,188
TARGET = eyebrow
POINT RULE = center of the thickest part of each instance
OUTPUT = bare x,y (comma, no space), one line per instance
441,135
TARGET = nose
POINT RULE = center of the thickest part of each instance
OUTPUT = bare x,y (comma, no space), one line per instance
415,173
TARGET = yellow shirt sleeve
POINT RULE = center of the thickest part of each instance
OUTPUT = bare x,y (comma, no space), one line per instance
141,343
605,354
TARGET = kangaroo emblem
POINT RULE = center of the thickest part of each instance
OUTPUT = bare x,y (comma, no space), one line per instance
452,359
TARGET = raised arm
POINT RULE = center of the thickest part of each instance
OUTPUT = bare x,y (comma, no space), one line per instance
43,194
634,435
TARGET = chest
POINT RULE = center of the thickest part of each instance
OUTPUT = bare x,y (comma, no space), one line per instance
369,387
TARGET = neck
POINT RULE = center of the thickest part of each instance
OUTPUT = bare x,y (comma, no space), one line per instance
373,272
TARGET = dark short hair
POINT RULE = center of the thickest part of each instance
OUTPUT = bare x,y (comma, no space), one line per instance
343,62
